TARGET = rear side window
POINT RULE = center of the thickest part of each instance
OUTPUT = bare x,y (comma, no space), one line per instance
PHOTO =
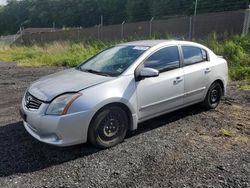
164,60
193,55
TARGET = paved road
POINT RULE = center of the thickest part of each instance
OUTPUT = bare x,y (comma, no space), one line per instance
187,148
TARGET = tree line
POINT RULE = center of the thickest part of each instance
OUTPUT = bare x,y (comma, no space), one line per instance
86,13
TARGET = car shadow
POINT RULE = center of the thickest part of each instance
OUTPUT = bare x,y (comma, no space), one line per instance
166,119
20,153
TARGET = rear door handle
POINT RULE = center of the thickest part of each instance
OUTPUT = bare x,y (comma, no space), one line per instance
208,70
178,79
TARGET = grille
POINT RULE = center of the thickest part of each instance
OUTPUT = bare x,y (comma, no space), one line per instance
31,102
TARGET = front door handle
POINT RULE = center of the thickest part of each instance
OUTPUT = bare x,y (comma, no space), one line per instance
178,80
208,70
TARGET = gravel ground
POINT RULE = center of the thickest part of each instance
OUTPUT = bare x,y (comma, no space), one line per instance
187,148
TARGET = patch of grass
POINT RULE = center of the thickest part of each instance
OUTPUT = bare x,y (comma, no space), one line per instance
242,138
235,49
55,54
239,72
238,137
227,132
245,86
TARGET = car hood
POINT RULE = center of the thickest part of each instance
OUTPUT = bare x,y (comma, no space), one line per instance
71,80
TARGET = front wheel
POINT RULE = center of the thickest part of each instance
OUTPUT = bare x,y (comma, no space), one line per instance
213,96
109,127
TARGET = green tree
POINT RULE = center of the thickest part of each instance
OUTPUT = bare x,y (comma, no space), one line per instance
138,10
86,13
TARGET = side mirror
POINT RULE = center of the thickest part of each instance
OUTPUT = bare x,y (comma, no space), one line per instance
148,72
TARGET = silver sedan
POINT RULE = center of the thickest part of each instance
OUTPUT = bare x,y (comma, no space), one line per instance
109,94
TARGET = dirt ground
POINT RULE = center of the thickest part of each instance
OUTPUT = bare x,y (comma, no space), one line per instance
186,148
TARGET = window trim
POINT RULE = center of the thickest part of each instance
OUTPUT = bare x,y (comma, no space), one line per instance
179,53
183,59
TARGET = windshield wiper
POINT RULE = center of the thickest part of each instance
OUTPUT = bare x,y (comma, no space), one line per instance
95,72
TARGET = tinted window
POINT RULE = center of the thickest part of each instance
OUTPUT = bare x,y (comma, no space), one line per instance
164,59
193,55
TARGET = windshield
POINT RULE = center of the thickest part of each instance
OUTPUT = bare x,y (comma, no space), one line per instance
113,61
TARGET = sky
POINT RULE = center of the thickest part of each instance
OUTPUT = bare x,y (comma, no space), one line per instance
3,2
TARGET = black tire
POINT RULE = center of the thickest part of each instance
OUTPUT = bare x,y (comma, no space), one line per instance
108,128
213,96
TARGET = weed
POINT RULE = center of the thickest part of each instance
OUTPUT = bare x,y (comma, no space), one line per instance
227,132
245,86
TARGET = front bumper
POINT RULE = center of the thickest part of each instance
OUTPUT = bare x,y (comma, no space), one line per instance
65,130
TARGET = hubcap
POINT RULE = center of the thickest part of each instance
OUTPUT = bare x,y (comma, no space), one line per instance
214,96
111,127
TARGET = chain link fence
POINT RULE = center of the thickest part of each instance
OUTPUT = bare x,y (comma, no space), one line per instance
246,26
10,39
185,27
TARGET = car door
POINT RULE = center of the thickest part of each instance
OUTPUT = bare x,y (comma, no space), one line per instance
197,70
156,95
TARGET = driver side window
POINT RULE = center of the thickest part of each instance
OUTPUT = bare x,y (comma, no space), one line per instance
164,60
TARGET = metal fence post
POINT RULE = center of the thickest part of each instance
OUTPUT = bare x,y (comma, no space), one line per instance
21,30
41,37
99,31
101,28
246,25
150,26
194,20
78,33
190,28
122,30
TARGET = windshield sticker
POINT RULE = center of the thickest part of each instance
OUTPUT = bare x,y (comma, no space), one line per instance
119,70
143,48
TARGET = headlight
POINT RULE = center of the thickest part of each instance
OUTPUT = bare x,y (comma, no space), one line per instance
61,104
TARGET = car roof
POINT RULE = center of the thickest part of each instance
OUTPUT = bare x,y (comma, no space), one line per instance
149,43
152,43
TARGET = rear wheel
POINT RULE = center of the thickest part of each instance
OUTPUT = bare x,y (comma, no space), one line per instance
213,96
109,127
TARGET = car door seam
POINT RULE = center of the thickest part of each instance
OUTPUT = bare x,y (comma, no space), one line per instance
160,102
194,91
173,98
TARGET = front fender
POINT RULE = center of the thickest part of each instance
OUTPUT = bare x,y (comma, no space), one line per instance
121,90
